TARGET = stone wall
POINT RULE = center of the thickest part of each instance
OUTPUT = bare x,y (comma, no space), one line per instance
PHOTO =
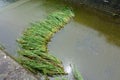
110,6
11,70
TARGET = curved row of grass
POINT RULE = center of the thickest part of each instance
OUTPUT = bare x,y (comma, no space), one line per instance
33,53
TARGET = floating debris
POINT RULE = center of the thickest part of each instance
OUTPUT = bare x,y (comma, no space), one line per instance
33,53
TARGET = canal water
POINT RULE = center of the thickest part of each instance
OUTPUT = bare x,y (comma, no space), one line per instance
90,41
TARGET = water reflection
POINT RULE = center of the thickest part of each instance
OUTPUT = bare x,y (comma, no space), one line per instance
104,24
89,50
68,69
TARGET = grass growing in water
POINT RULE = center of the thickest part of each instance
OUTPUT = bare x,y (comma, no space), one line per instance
2,47
33,51
77,75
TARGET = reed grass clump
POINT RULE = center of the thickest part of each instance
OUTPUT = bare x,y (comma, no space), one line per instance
33,53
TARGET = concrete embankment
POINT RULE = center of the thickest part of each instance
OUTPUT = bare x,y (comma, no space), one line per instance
111,7
11,70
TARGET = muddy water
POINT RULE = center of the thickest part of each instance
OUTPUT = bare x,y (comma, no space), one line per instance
90,41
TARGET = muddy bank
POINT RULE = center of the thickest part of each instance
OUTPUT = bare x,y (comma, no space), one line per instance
10,70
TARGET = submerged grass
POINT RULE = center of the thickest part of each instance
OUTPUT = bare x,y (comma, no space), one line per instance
33,51
77,75
63,78
2,47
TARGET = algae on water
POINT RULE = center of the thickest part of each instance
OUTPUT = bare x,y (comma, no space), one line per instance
33,53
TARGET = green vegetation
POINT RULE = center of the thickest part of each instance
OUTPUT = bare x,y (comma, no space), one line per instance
33,53
77,75
63,78
1,47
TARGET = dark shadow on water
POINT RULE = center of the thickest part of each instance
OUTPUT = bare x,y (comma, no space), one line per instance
100,22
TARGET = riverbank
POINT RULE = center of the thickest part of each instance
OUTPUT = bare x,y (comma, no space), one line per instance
111,8
11,70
